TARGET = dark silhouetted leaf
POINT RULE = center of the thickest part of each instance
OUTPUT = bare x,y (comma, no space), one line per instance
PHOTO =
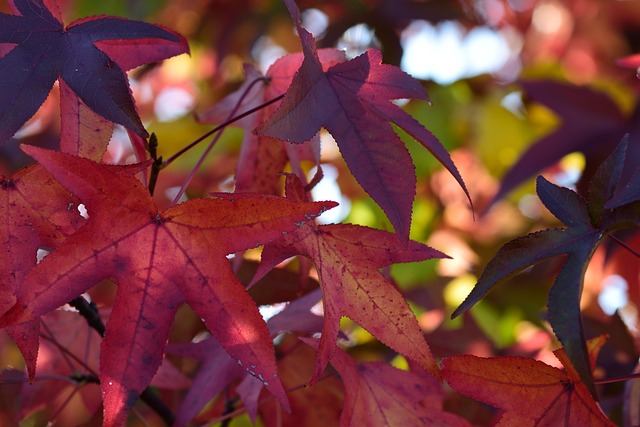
587,223
89,55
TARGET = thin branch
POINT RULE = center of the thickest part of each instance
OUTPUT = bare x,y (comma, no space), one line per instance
65,352
154,402
157,162
229,406
89,311
624,245
219,127
618,379
56,414
212,144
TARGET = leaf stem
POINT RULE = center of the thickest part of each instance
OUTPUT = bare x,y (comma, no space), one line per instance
157,162
624,245
63,350
58,411
89,311
215,140
219,127
618,379
154,402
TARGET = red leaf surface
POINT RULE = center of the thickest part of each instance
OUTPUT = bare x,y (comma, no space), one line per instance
348,259
159,260
378,394
530,392
83,132
36,212
352,100
70,350
89,56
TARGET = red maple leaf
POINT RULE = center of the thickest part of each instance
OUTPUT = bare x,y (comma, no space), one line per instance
88,57
217,370
352,100
37,213
159,260
530,392
348,258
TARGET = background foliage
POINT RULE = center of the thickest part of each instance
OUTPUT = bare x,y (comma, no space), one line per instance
561,82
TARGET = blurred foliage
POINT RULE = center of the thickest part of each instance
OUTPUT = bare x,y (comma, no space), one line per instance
485,121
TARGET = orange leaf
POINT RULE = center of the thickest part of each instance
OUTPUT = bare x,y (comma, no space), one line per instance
530,392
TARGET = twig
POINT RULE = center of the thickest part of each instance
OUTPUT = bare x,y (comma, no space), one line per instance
215,140
89,311
219,127
157,162
618,379
624,245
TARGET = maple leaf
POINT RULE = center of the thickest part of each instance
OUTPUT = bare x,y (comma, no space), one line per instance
37,212
262,158
127,239
379,394
348,258
88,56
552,396
588,222
280,285
352,100
592,124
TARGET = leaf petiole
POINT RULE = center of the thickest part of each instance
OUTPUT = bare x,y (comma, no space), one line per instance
624,245
219,127
157,162
230,119
618,379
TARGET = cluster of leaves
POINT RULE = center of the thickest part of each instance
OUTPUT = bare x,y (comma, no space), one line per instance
197,253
